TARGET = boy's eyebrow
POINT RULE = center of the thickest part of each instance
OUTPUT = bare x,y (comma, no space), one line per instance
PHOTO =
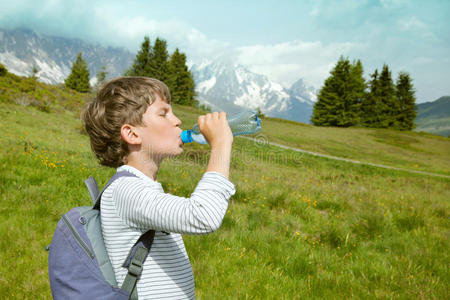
165,107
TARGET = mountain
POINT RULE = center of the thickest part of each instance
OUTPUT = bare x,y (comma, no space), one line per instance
224,85
21,49
434,117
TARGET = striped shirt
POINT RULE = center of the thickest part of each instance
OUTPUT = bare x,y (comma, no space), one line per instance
132,205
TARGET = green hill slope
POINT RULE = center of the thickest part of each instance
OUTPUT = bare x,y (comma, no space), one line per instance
434,117
298,226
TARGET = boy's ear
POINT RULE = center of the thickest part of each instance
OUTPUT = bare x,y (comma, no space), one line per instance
130,135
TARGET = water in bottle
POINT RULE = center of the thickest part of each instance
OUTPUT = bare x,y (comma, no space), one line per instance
246,122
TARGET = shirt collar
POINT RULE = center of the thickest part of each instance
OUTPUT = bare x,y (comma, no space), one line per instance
138,173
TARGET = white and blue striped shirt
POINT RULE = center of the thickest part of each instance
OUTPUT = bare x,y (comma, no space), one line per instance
132,205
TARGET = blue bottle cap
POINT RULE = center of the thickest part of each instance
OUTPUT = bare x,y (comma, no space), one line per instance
258,121
186,136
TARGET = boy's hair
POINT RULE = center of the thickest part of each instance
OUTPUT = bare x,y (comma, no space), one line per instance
122,100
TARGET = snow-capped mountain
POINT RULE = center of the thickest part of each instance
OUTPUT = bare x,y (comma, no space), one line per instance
22,49
223,85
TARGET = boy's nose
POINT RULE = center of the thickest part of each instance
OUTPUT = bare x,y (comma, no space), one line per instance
177,122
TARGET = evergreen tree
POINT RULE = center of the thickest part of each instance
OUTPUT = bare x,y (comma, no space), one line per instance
101,77
371,105
158,64
34,72
338,100
79,77
3,70
407,102
388,106
154,61
141,64
180,80
358,88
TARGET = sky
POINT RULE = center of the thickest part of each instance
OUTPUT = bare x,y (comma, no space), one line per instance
284,40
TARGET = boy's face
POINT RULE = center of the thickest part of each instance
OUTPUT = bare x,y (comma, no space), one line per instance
160,134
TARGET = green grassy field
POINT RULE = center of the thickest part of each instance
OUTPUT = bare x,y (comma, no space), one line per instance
298,226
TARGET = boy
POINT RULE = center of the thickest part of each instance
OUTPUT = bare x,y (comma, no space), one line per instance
132,127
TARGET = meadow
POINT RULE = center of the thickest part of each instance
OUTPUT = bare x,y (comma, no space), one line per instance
298,226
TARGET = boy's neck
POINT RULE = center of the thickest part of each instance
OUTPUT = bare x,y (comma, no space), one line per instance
148,167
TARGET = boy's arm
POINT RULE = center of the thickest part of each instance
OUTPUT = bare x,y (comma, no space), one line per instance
219,160
145,207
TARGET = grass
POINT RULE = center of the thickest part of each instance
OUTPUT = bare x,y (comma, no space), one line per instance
298,226
404,149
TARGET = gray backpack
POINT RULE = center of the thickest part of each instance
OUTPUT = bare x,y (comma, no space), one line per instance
78,264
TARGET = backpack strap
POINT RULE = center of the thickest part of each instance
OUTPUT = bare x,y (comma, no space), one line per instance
115,176
135,262
92,187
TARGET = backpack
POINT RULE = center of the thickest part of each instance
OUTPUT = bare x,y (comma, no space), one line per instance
78,264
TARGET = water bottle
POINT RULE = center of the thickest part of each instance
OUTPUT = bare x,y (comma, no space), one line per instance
246,122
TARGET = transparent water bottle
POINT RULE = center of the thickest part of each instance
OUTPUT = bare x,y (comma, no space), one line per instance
246,122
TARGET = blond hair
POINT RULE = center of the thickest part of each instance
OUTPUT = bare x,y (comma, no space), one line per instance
122,100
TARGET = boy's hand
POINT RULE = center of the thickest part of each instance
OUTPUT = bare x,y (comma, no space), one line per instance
215,129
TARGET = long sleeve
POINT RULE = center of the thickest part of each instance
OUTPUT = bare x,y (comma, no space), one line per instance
146,206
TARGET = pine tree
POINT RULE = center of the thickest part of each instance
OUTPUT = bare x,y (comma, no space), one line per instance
79,77
158,63
141,64
154,61
358,88
389,106
338,100
34,72
180,80
371,107
3,70
407,102
101,77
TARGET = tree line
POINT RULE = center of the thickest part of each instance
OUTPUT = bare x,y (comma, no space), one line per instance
346,99
151,61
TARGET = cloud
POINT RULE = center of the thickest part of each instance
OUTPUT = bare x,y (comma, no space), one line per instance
131,31
411,23
287,62
314,12
119,25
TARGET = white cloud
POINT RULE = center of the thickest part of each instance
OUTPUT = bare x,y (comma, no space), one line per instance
290,61
411,23
393,3
314,12
129,32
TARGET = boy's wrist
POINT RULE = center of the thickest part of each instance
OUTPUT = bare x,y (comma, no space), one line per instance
219,160
222,146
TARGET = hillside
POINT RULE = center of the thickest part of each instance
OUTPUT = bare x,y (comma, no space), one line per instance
298,226
434,117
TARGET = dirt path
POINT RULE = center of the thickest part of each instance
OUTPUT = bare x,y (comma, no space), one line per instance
262,141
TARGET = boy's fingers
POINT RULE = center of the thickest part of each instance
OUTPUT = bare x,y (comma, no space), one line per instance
204,120
207,118
201,120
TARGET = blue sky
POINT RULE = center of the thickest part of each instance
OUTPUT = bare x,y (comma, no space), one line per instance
285,40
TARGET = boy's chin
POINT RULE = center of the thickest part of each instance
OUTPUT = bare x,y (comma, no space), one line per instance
178,153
